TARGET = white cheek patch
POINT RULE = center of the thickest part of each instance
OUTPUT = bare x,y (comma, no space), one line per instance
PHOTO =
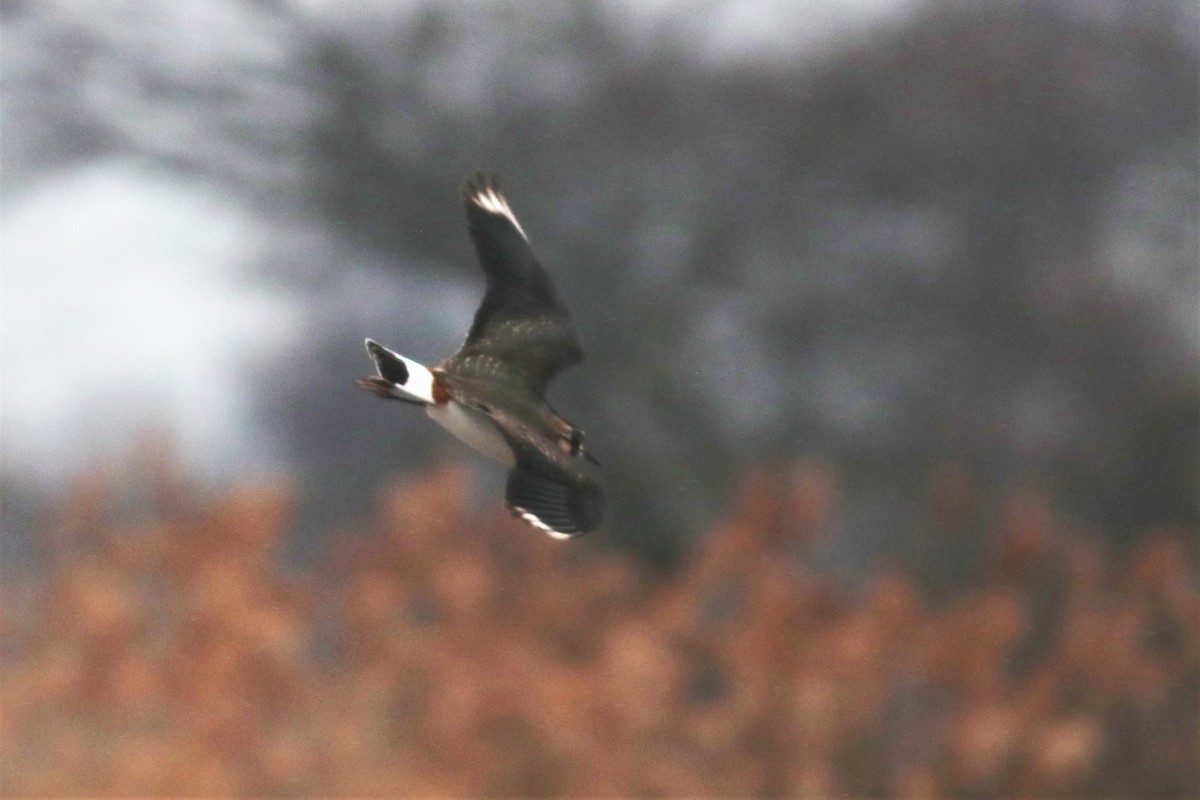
420,382
493,202
417,383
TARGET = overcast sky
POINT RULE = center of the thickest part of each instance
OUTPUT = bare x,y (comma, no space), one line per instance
124,301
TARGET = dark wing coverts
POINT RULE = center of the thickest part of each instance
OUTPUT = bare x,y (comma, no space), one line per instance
543,499
521,321
547,488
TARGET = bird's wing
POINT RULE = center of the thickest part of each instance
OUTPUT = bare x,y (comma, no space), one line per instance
521,320
547,488
563,504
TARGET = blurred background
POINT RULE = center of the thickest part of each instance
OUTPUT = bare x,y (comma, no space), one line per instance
892,320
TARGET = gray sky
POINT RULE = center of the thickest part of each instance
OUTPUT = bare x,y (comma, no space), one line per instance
125,306
123,310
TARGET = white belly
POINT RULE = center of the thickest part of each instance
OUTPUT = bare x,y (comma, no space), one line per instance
472,428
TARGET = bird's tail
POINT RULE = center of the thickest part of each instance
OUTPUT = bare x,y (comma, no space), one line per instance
399,378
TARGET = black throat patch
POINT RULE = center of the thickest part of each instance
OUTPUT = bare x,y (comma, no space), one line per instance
391,368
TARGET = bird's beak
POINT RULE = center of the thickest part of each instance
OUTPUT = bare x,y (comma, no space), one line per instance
376,386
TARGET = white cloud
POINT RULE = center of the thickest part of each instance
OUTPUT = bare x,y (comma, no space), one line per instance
122,311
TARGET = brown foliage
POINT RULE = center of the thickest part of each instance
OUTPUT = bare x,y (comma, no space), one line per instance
440,651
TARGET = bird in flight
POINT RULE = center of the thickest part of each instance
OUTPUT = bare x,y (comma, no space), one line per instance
491,393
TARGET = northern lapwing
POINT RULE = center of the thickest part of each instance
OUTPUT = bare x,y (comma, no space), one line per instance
490,394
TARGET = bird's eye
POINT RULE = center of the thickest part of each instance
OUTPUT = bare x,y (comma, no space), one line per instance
576,441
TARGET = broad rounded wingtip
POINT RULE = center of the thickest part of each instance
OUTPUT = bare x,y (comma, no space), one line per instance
481,182
532,519
482,193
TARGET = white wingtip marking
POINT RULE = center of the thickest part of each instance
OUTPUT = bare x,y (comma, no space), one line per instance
490,200
537,523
